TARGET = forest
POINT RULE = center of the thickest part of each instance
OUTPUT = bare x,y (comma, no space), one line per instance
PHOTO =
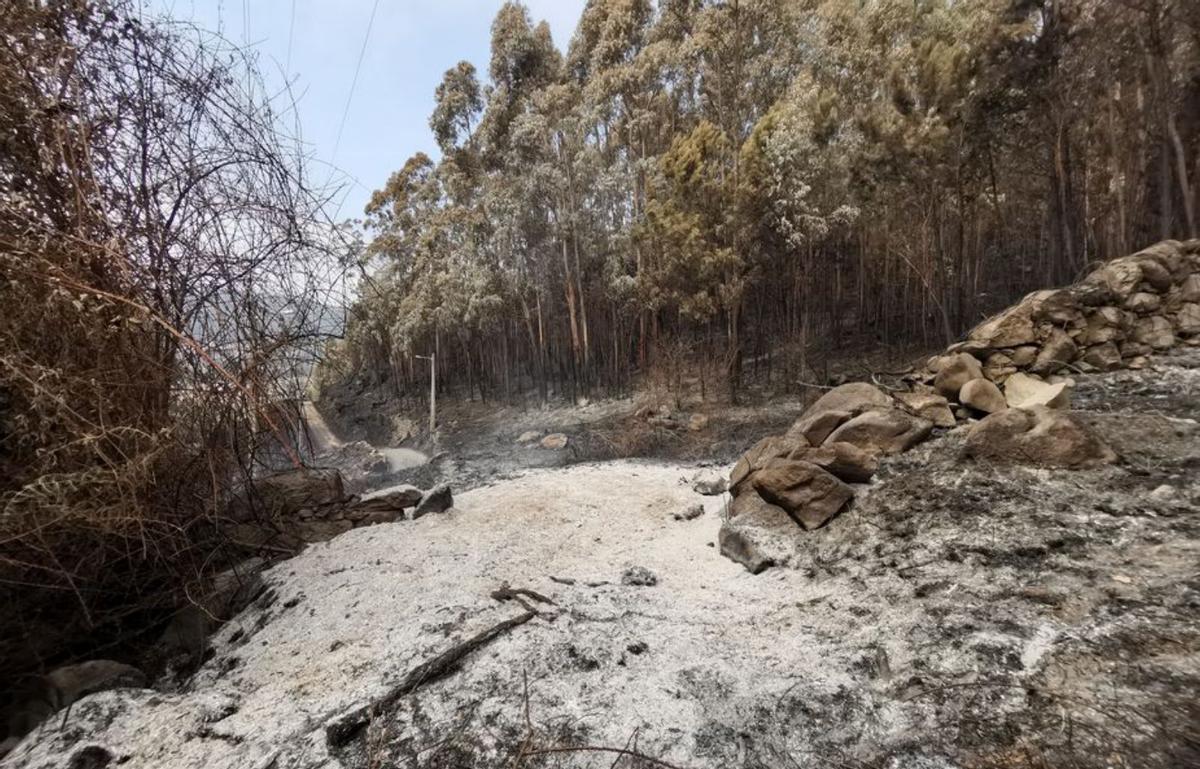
698,184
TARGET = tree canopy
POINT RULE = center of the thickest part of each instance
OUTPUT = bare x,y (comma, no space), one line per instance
756,178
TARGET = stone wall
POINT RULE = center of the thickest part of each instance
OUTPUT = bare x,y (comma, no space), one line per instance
1009,381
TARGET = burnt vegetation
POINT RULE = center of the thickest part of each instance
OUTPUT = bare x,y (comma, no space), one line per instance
707,195
163,270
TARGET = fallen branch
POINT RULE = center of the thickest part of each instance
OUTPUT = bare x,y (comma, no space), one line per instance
621,752
506,593
346,727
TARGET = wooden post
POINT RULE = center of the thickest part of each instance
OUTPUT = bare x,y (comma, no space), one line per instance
432,358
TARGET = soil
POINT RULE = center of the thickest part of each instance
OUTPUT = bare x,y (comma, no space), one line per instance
960,615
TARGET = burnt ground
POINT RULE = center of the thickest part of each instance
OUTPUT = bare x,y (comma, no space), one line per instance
477,440
960,615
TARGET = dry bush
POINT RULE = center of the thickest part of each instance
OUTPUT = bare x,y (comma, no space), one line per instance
162,269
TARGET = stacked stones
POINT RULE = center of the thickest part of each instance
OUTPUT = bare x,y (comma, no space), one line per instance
1113,318
1011,374
804,477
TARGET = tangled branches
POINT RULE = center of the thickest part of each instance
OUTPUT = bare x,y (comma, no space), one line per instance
166,279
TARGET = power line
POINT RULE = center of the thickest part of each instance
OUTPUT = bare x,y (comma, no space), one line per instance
287,68
354,82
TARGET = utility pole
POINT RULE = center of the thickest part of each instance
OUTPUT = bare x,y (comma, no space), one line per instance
432,358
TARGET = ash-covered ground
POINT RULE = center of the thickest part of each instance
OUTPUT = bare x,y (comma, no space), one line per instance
960,614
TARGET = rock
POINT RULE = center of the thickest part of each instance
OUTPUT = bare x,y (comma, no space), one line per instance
929,406
982,395
1187,320
286,493
809,494
34,699
689,513
885,432
1037,436
1104,357
710,484
439,499
969,346
394,499
697,422
1056,305
1132,349
319,530
1024,355
1143,303
1164,493
813,429
1024,391
74,682
954,371
1154,331
1137,363
1010,328
756,533
1106,324
554,441
853,398
1057,351
529,436
1155,274
1121,276
771,447
844,461
639,576
998,367
1189,289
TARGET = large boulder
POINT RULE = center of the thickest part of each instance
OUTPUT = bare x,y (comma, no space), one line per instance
286,493
836,407
844,461
1037,436
1057,305
929,406
954,371
756,533
809,494
1024,391
890,431
813,429
982,395
771,447
1010,328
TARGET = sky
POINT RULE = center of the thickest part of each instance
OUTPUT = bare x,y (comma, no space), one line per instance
411,43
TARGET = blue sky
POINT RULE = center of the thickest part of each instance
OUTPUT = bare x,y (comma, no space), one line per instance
412,42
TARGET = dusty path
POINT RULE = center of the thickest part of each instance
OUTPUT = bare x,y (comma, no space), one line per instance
960,615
